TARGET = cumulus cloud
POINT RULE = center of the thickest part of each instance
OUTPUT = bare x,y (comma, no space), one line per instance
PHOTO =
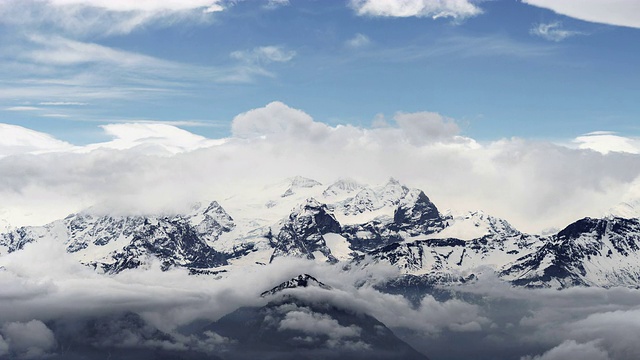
613,329
425,127
534,185
4,347
457,9
619,13
309,322
279,120
16,139
552,31
30,340
493,319
605,142
570,350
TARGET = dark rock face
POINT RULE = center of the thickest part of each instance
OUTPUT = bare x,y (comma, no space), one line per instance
416,215
123,336
301,233
371,235
17,239
287,329
174,242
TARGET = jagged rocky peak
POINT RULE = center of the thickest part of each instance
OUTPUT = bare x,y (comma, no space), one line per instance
416,214
392,191
302,280
299,182
211,219
314,214
372,199
301,233
342,186
589,252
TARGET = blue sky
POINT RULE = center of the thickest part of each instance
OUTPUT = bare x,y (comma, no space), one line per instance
499,68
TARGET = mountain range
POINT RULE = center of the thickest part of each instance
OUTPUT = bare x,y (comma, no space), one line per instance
352,224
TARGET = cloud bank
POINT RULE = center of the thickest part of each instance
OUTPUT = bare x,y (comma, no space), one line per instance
618,13
44,287
148,168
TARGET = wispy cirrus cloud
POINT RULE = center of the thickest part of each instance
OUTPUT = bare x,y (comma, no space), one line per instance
460,47
104,17
22,108
358,41
264,54
59,71
553,31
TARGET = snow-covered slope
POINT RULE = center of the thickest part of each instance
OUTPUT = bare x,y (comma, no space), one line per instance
116,243
352,223
590,252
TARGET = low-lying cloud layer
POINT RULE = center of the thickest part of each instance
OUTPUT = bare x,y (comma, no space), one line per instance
48,295
151,168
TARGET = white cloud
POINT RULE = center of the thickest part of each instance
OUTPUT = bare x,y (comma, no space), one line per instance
61,51
309,322
265,54
457,9
57,71
17,140
278,119
62,103
166,139
22,108
425,127
571,350
552,31
613,329
619,12
274,4
358,41
104,17
605,142
140,5
534,185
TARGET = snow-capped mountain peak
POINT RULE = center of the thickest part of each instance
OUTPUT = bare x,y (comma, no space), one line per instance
301,281
299,182
341,187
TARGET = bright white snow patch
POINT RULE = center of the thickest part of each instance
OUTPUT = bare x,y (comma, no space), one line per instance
339,246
